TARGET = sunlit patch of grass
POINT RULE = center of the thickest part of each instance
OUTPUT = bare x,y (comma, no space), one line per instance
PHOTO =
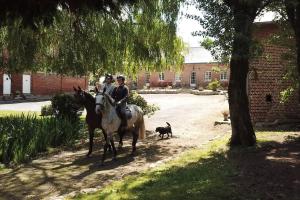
197,174
4,113
2,167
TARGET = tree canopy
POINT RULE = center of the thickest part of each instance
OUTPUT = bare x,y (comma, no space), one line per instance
80,40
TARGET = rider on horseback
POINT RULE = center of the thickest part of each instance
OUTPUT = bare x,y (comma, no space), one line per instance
120,95
108,87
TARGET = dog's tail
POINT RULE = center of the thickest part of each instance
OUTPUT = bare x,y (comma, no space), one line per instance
168,124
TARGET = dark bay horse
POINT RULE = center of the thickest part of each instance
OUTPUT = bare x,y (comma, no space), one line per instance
92,119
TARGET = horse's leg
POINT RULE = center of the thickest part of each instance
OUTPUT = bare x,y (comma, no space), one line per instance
114,149
104,153
91,135
105,137
121,135
135,134
106,145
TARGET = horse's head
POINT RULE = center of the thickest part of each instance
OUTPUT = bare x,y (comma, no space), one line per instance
100,103
103,101
79,95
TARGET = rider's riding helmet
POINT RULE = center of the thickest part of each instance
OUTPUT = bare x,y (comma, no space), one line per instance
110,77
122,77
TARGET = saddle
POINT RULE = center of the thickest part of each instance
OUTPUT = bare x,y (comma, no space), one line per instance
128,113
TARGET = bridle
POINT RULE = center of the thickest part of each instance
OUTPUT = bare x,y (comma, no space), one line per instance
99,104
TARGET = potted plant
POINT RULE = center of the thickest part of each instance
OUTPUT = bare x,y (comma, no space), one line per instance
17,95
225,115
214,85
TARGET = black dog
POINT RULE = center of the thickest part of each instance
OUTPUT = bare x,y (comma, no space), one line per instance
164,130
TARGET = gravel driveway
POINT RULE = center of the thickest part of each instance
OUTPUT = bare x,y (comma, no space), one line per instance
28,106
191,116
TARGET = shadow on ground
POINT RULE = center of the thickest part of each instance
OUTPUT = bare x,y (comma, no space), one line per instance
69,171
269,171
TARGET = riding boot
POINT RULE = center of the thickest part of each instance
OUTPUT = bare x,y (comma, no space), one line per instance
123,125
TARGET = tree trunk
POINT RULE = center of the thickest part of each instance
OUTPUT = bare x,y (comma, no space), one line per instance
293,12
242,130
297,35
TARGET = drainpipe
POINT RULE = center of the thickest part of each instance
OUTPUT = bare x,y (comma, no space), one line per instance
61,81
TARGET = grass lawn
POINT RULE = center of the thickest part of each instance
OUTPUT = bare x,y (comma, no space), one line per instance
10,112
217,172
4,113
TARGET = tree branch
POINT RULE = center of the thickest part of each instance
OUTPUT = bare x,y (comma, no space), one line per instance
265,4
290,11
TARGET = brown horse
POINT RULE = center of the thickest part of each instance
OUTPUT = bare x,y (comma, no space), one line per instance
92,119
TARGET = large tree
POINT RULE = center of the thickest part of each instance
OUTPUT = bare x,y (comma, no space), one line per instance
78,38
32,11
230,24
292,8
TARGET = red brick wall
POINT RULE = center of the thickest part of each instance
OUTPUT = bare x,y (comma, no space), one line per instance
188,68
45,84
16,83
69,82
262,30
200,69
266,78
49,84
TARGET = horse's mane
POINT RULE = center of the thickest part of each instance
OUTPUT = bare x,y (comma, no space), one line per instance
89,97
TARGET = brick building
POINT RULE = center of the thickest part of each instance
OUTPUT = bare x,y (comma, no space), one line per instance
39,83
265,82
197,71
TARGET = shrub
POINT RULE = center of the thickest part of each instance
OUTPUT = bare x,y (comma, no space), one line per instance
17,93
214,85
46,110
22,137
148,109
65,106
164,84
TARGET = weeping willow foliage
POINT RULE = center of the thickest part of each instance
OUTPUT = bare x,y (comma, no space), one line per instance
142,37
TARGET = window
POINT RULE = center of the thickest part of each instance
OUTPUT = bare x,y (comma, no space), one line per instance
223,76
161,76
177,77
207,76
147,77
193,78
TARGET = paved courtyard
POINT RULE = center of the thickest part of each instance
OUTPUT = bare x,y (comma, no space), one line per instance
28,106
186,113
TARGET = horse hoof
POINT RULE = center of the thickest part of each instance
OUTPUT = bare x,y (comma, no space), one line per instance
101,164
114,159
132,154
88,155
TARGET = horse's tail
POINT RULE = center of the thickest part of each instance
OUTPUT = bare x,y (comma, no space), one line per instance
142,131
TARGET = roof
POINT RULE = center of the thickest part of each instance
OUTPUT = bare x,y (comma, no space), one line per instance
198,55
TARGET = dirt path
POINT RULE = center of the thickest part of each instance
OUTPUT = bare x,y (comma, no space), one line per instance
53,177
